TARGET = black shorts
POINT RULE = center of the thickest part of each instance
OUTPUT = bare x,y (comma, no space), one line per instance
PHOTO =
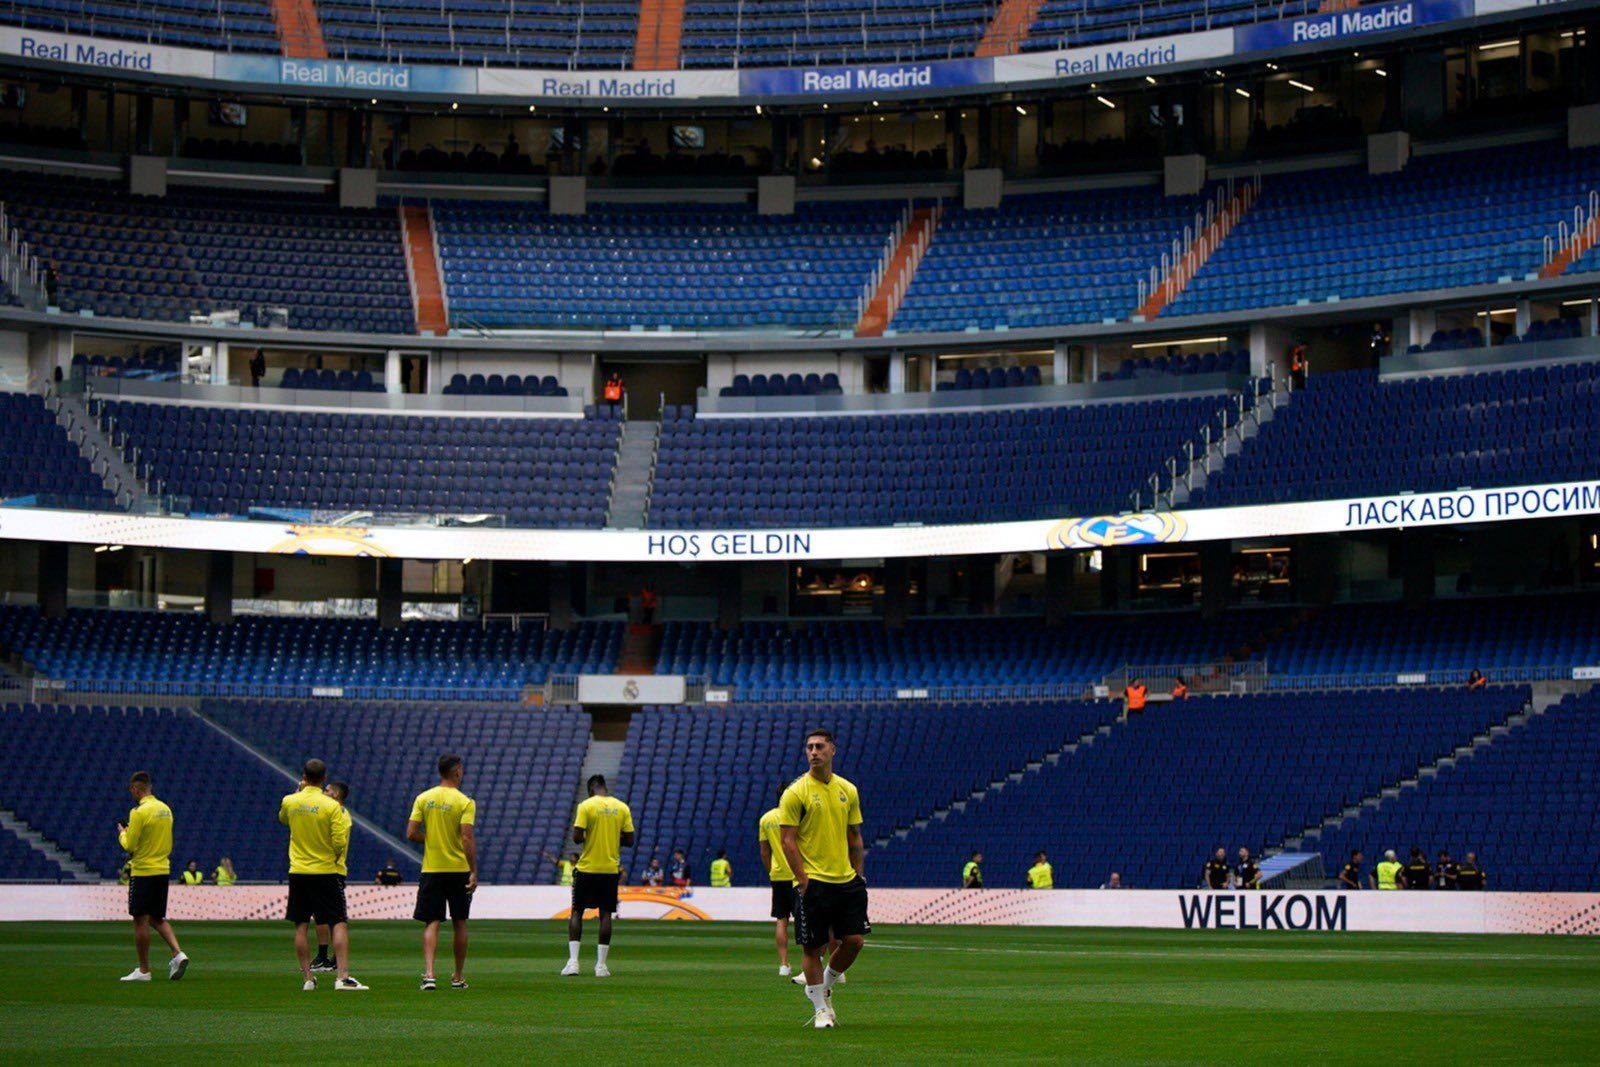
594,891
440,888
833,909
316,898
147,895
782,900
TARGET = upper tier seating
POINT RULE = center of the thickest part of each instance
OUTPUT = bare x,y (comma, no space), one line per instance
1077,23
1012,377
38,459
782,33
224,800
535,471
863,661
1154,798
793,384
222,26
709,266
528,33
155,365
1226,362
341,381
1526,804
954,467
1444,221
1350,434
1445,638
504,385
521,766
172,652
907,760
1043,259
190,251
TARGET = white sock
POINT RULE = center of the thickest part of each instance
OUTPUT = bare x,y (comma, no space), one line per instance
830,976
605,950
815,993
572,951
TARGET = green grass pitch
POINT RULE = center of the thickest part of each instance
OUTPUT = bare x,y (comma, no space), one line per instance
708,993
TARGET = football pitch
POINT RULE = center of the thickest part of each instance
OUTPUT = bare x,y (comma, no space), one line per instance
697,993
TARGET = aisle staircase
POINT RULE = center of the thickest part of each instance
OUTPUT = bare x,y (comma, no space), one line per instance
660,35
1013,21
422,267
903,254
1200,241
299,29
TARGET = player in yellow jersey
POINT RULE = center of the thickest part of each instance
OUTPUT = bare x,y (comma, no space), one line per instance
769,834
147,839
319,840
323,963
443,820
821,818
602,826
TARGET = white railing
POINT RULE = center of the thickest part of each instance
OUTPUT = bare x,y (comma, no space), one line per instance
1200,240
892,242
1579,235
908,269
19,266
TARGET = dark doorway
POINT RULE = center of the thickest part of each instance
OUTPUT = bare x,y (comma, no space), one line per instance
647,382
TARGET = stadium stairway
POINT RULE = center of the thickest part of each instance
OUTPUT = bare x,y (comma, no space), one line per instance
1210,458
1013,21
422,259
102,454
1223,214
48,851
660,35
299,29
635,470
898,269
1585,234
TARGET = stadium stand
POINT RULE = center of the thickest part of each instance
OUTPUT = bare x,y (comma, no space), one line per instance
224,800
863,470
1043,259
782,33
156,365
38,460
522,765
1235,361
1467,218
906,760
1076,23
224,26
1525,803
1013,377
21,863
864,661
342,381
504,385
173,652
792,384
1232,770
528,33
534,471
1444,638
708,266
1368,437
190,251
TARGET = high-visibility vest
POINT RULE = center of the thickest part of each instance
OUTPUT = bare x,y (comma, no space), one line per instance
1136,695
193,877
222,876
1388,871
1180,691
613,390
721,873
1040,876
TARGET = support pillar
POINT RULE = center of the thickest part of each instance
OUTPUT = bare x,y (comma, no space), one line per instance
896,593
52,579
1058,571
561,589
981,584
219,587
1216,572
390,573
730,596
1416,565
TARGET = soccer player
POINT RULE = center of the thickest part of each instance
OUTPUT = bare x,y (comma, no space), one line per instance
442,821
319,839
1041,875
602,826
1248,874
1216,872
147,839
339,791
821,819
1350,873
972,873
721,870
770,837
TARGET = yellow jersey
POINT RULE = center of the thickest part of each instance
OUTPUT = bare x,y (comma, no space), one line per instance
342,864
443,811
148,838
318,838
771,831
721,873
603,821
824,813
1041,876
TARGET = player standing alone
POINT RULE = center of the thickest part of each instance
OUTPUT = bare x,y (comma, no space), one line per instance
442,820
147,839
602,825
319,839
821,818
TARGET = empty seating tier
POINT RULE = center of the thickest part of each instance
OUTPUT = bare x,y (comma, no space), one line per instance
782,33
528,33
223,26
38,459
535,472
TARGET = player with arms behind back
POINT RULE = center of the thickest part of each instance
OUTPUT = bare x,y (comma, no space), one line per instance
442,820
602,825
821,818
